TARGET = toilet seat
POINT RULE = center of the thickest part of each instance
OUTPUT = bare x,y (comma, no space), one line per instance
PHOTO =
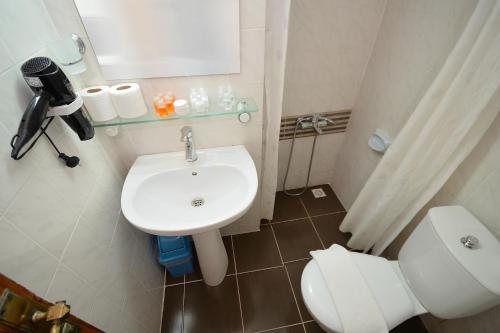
396,301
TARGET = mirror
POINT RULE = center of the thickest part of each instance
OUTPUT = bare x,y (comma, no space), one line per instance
163,38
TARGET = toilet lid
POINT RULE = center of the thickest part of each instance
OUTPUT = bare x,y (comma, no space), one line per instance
388,290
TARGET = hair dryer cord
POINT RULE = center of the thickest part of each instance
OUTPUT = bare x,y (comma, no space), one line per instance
70,161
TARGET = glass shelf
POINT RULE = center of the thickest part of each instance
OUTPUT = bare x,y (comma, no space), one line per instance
151,116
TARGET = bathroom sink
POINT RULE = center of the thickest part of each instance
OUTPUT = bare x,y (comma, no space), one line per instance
166,195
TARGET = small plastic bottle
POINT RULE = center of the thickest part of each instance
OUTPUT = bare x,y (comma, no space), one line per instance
181,107
160,105
199,100
169,102
225,98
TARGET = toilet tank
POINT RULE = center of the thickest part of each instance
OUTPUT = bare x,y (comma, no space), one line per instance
448,278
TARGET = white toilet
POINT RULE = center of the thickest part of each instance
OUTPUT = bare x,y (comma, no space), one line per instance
449,266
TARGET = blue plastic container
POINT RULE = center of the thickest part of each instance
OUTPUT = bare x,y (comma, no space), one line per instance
181,267
176,254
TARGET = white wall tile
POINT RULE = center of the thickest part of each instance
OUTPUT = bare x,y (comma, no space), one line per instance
5,57
144,266
252,56
44,214
13,174
252,14
69,287
87,253
146,306
26,26
104,312
325,154
24,261
117,286
329,44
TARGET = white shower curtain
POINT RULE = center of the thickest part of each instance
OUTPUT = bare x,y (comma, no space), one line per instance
448,122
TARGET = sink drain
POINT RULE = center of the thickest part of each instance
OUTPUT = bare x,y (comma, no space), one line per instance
198,202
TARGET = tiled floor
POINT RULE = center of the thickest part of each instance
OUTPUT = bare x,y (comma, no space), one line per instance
261,291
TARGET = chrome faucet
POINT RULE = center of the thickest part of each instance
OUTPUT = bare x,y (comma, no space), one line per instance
316,121
187,137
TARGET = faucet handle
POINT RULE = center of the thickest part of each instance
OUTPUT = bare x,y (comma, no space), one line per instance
186,132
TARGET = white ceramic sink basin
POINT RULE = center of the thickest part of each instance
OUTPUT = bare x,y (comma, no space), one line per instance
165,195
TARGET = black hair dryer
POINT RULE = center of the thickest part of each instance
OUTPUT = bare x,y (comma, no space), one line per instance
52,91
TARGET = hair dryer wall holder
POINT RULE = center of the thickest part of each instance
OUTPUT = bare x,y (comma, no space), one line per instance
70,161
65,110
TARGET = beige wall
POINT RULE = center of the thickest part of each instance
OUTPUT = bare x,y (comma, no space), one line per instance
61,232
329,44
136,140
397,76
413,41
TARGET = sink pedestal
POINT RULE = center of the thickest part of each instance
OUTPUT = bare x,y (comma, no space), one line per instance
212,256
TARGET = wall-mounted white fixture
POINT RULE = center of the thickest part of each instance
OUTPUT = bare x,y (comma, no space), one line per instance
379,141
244,117
111,131
69,52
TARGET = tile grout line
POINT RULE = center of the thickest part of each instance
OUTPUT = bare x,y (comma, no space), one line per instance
279,327
295,298
310,221
163,299
305,217
183,302
260,269
237,284
331,213
284,221
288,277
296,260
277,246
190,281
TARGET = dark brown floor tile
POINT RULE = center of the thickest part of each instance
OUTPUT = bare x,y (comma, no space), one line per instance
328,229
313,327
196,275
212,309
289,329
296,239
295,270
412,325
230,258
256,250
169,280
267,300
325,205
172,310
287,208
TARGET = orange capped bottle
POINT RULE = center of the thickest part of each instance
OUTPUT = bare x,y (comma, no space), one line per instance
159,103
169,102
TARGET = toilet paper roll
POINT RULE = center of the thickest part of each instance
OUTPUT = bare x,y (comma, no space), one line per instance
98,103
128,101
